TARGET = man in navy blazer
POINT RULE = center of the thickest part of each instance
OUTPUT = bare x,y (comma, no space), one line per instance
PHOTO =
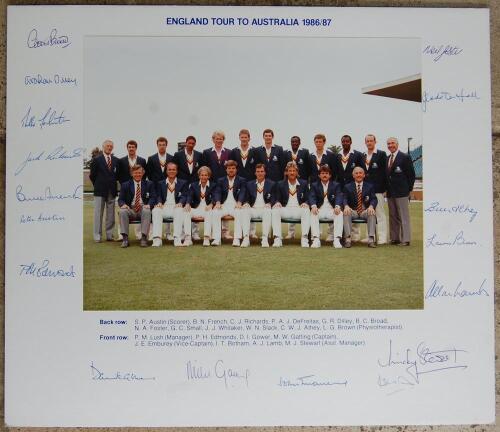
326,200
245,156
171,196
229,198
216,156
137,197
260,197
271,156
126,163
103,175
157,163
188,161
375,165
200,200
400,181
359,202
292,197
322,156
348,160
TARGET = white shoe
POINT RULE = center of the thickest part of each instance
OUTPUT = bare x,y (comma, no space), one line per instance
206,241
381,242
337,244
277,242
316,243
156,242
196,237
236,242
253,237
290,236
177,242
169,237
246,242
365,240
215,242
188,241
304,242
264,242
330,238
120,237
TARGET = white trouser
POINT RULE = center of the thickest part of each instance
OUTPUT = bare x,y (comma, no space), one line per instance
327,213
218,214
198,212
168,210
381,219
256,212
302,213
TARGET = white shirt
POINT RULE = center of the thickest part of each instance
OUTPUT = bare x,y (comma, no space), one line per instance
189,157
230,201
259,200
244,161
345,158
326,203
318,159
292,199
203,190
132,162
170,195
162,159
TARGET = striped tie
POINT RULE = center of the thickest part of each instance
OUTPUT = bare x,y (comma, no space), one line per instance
137,205
359,206
391,161
108,159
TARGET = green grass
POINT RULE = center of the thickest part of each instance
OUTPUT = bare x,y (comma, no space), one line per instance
228,278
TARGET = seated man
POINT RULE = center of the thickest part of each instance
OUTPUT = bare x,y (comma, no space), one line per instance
325,199
260,197
171,195
199,204
291,202
137,196
229,198
359,202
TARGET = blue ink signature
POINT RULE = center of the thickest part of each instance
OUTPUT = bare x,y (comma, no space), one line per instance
439,51
55,79
435,207
308,381
98,375
438,290
43,270
47,195
52,40
458,240
49,118
59,153
405,368
461,96
230,376
41,218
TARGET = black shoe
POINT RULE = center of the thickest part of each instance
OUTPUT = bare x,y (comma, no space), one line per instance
395,242
347,243
371,243
125,242
144,241
404,244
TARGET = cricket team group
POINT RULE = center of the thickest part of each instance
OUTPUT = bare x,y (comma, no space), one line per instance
254,184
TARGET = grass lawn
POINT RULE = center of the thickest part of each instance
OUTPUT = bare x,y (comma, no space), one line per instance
228,278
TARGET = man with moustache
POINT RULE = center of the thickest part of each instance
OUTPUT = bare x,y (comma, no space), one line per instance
326,200
291,202
260,197
400,181
375,165
301,157
104,175
171,196
126,163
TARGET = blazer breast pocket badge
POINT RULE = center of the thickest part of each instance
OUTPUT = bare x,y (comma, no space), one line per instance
374,165
398,170
353,165
301,162
275,159
147,195
367,198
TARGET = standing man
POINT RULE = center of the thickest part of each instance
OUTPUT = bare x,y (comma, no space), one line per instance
137,197
103,175
229,198
156,168
216,157
245,156
188,161
126,163
291,202
349,159
359,202
375,165
171,196
325,199
260,197
400,181
301,158
271,156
